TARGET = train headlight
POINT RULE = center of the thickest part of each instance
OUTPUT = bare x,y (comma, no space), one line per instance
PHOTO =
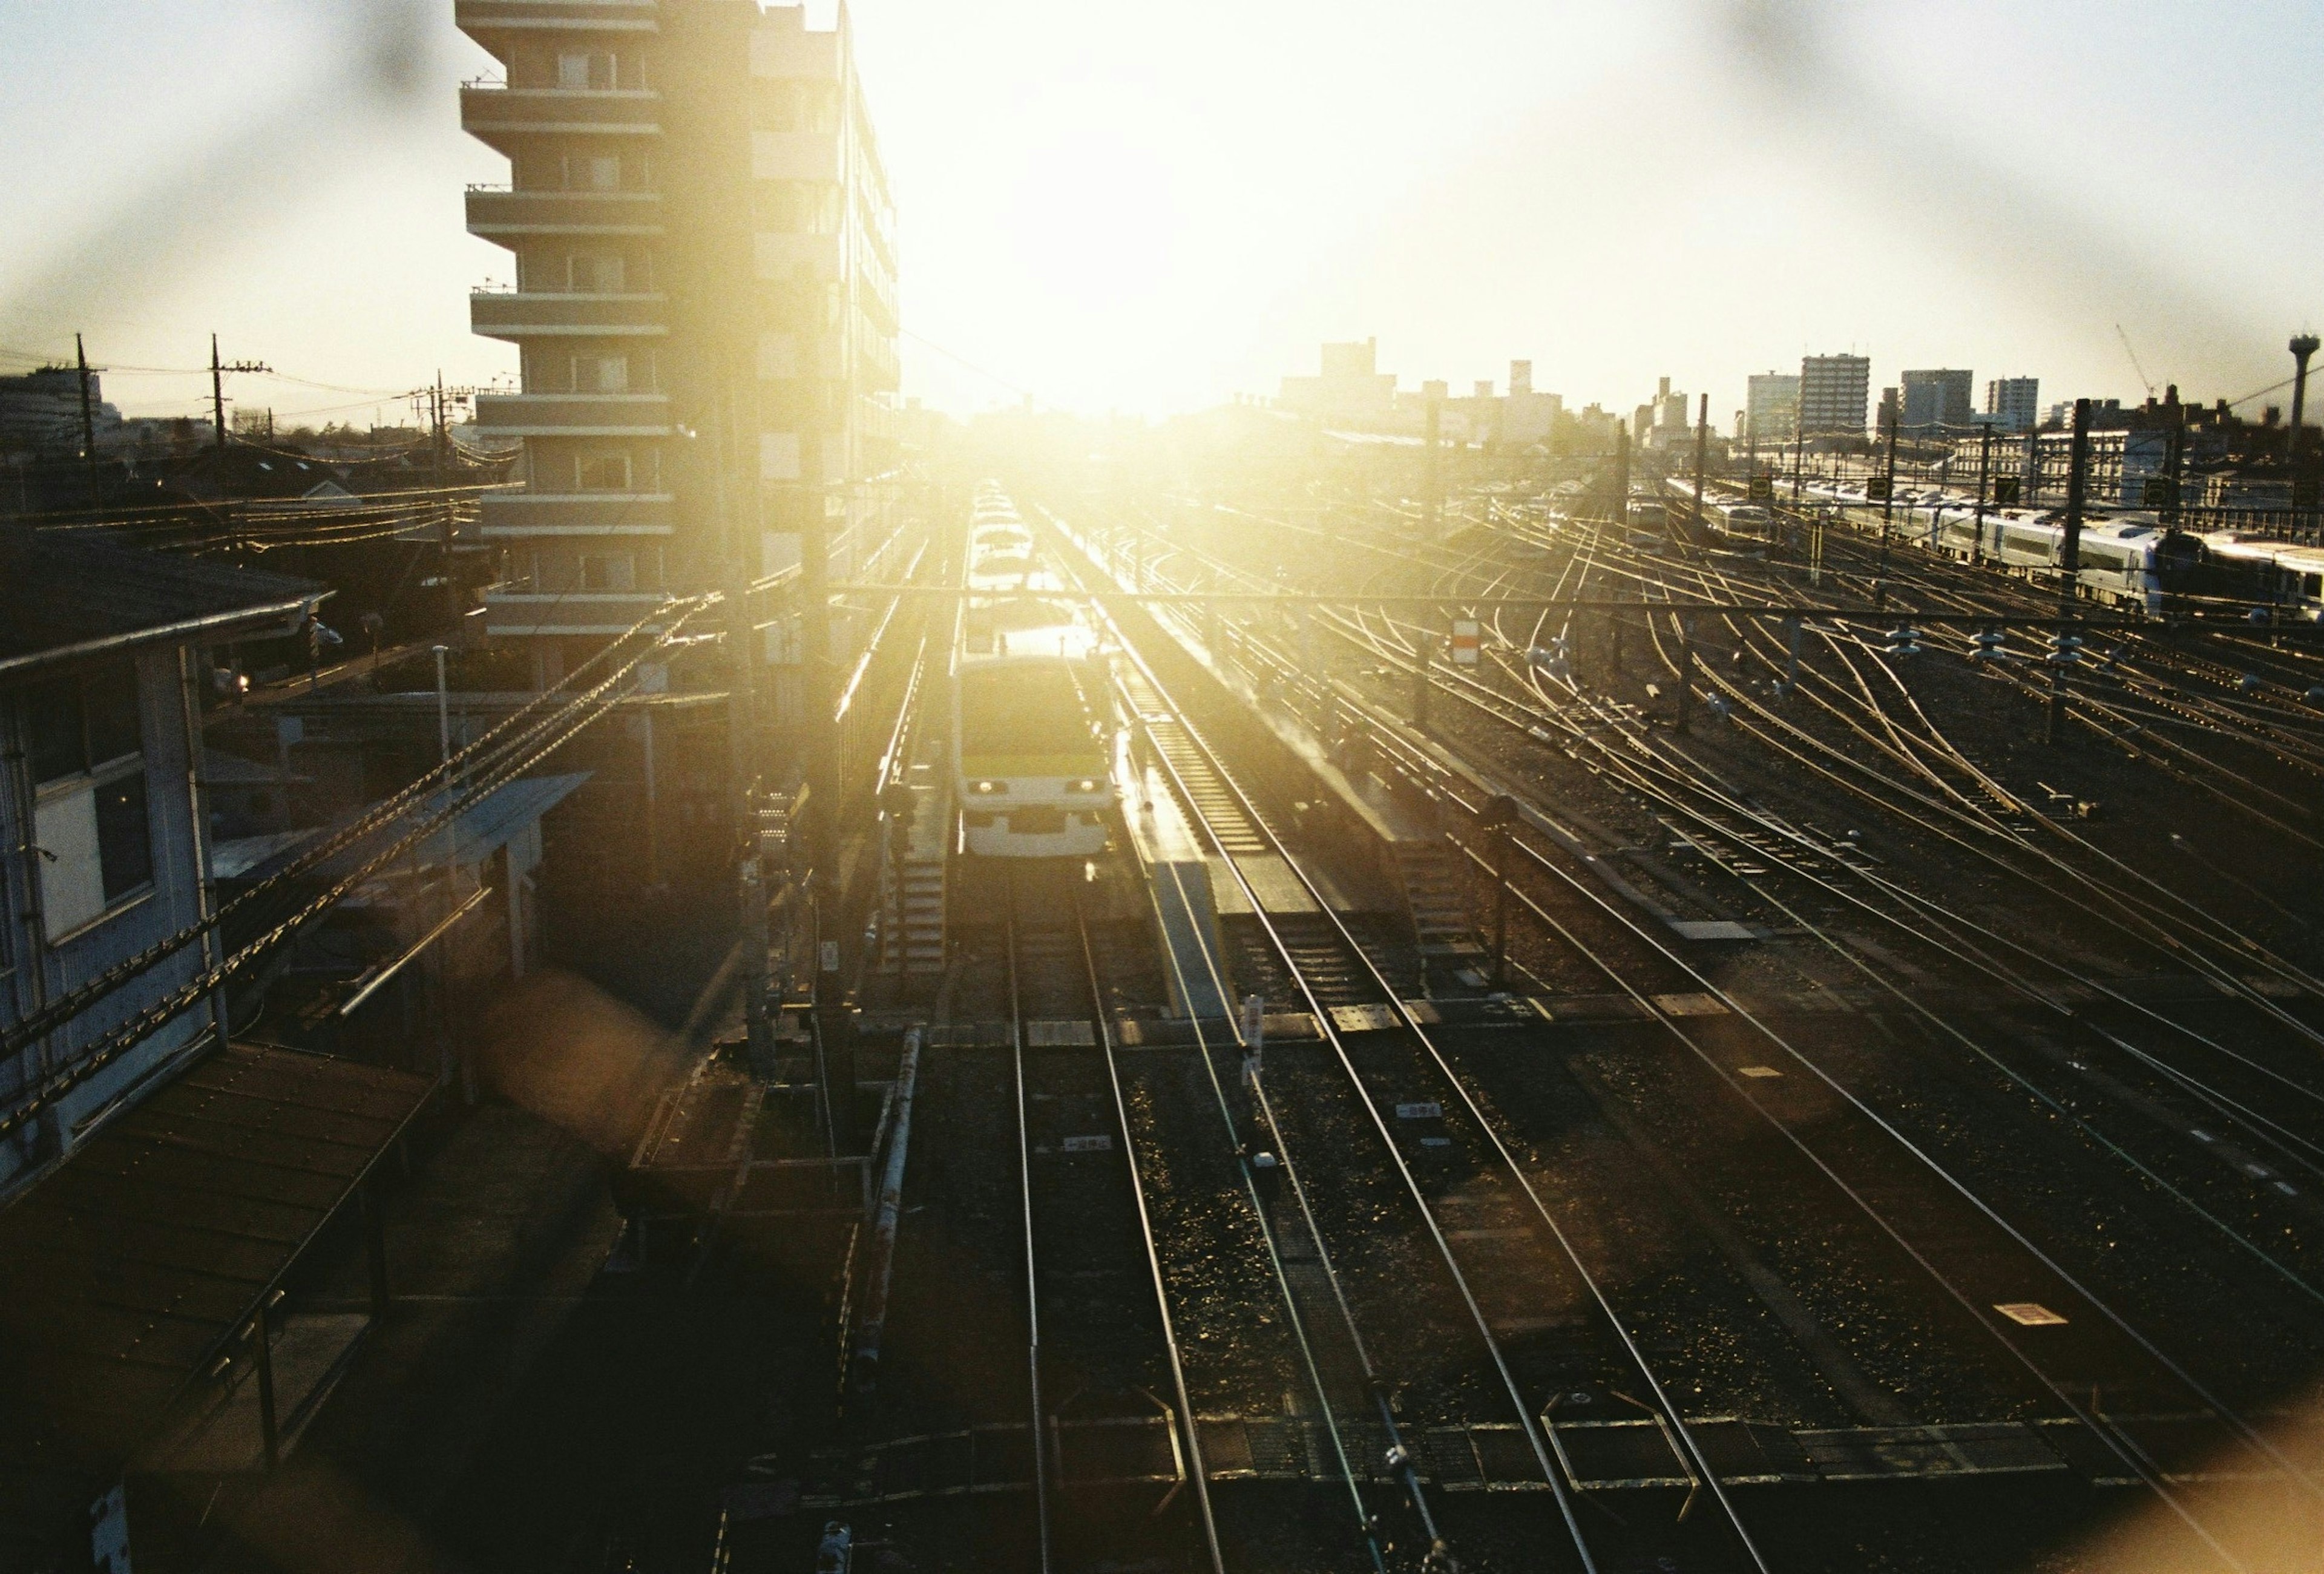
983,787
1088,784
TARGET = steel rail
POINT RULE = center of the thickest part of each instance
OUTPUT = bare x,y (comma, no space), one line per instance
1186,1421
1697,1460
1040,1427
1364,1518
1550,1470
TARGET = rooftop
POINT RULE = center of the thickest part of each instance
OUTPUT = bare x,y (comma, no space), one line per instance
63,595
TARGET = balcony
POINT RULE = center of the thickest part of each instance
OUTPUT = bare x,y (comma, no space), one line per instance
508,313
484,19
499,116
498,214
574,414
517,614
515,515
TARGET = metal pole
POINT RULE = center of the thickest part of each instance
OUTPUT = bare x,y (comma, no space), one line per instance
1501,864
2302,346
2069,564
1436,474
1423,659
1621,477
1887,508
1984,471
1701,447
88,425
443,716
217,403
1685,670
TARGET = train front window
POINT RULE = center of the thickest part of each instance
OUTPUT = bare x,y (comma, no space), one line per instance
1023,708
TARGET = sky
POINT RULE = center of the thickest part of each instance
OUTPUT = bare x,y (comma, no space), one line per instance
1152,208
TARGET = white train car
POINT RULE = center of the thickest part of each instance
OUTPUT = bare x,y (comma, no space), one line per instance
1033,708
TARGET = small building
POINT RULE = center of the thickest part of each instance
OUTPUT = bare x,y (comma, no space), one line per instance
103,679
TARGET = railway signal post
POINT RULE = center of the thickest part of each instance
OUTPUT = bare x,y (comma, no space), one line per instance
2069,565
1499,816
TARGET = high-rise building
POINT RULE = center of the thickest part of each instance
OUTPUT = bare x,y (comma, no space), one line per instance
1834,392
2014,403
1936,400
705,305
1772,408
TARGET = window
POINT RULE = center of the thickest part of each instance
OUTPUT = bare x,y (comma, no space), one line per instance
601,374
84,745
604,472
595,273
585,68
600,173
608,571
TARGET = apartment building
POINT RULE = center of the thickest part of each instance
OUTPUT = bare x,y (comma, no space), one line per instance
2014,403
704,302
1834,393
1772,407
1936,400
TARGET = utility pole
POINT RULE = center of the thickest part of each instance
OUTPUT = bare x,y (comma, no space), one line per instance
1888,510
218,369
1621,477
443,497
1701,447
2175,466
1984,473
1799,457
743,739
2069,565
87,424
835,1024
1435,479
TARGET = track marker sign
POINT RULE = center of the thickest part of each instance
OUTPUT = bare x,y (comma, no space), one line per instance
1468,641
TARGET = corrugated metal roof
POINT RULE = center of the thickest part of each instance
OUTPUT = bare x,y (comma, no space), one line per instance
138,1263
66,594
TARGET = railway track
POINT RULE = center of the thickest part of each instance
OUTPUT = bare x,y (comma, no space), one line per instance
1504,1264
1951,1240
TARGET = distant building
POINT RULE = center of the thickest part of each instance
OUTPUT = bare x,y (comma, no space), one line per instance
40,411
1936,400
2014,403
1834,393
1527,417
1772,408
1886,418
1351,388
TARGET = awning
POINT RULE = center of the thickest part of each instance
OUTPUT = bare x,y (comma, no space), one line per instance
134,1272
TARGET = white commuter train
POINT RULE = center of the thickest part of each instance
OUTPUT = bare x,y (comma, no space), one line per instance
1033,706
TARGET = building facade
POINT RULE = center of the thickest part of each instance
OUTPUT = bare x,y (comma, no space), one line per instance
104,674
1835,392
1935,399
1351,388
1771,410
2014,403
705,306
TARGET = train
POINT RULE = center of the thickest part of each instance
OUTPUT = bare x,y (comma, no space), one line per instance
1034,708
2129,559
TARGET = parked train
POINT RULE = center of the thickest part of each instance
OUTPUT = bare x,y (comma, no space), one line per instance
2127,558
1033,706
